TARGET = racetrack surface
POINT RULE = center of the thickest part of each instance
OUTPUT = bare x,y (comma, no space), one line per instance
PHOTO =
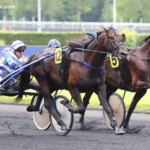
18,132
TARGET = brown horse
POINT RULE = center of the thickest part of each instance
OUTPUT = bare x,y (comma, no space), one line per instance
135,76
83,72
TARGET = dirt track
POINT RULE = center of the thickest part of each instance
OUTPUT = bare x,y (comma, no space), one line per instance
17,132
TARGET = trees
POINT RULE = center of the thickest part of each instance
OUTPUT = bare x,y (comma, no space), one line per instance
127,9
133,9
95,15
78,10
5,12
107,11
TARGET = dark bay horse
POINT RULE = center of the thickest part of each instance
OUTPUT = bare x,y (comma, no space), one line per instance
135,75
83,73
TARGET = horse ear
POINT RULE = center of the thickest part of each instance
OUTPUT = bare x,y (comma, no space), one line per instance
98,33
105,29
112,26
123,38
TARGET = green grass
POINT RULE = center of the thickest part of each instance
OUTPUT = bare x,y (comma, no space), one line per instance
143,105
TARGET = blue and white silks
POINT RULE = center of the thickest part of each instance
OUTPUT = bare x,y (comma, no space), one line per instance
8,63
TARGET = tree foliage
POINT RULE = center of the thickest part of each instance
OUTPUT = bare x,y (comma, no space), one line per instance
77,10
133,9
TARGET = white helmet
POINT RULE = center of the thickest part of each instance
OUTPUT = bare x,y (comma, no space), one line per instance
16,44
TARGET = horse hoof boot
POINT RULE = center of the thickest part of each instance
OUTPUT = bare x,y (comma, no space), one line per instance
65,102
81,126
64,128
119,131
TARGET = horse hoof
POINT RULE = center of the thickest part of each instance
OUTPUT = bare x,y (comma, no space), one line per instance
64,128
81,126
119,131
134,130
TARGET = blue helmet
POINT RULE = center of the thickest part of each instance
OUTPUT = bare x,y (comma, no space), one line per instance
53,42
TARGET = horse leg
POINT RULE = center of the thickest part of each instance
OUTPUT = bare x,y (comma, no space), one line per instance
48,103
109,90
101,92
77,98
36,107
85,103
135,100
141,85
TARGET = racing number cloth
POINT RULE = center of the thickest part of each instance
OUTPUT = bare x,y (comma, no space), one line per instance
58,55
114,61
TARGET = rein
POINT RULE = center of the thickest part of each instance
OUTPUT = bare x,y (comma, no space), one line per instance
145,59
93,51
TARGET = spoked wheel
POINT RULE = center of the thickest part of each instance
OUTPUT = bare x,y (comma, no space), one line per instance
41,117
66,116
118,108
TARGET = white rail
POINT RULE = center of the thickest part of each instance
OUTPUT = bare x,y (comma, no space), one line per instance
68,26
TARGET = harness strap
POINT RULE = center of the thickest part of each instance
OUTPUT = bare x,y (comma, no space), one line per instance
121,80
61,67
108,43
85,64
93,67
118,45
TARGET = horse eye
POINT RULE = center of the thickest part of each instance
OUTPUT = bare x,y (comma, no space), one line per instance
111,37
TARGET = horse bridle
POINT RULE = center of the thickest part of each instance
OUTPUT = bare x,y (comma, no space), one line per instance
107,43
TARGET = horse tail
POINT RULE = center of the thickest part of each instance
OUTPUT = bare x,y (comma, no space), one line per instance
24,80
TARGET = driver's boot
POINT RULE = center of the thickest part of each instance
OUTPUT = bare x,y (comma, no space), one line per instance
34,85
7,84
35,107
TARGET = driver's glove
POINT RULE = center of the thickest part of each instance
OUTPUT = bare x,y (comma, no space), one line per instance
16,66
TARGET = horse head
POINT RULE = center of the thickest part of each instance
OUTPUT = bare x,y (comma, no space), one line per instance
114,42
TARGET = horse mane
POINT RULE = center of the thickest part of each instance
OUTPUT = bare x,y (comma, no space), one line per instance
84,40
29,60
143,41
147,38
80,43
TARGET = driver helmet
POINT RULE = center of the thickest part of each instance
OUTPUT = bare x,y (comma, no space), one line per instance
53,42
18,45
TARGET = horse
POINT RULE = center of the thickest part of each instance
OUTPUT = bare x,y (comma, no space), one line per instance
135,77
84,71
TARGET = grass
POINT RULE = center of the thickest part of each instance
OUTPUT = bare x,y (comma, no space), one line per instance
143,105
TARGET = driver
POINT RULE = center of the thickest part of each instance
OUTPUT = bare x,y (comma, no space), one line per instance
12,61
53,42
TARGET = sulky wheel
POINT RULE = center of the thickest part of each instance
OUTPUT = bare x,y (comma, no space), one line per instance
66,116
41,117
118,108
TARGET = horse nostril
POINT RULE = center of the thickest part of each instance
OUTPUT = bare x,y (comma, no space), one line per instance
123,50
123,53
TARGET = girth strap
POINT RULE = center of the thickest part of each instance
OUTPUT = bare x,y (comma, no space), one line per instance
61,66
121,80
